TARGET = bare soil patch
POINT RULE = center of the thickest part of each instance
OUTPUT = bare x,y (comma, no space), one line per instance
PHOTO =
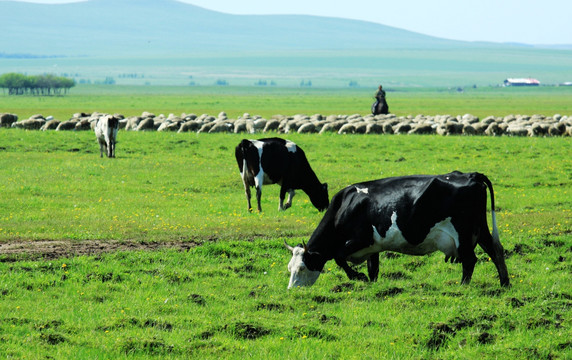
61,248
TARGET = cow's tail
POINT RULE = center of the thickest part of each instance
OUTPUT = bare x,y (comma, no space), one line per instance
488,183
241,153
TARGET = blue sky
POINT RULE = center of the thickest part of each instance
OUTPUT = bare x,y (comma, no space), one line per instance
523,21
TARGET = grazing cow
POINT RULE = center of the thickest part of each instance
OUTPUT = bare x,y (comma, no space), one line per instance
106,133
413,215
278,161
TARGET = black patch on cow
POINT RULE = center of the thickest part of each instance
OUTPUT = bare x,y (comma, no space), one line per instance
277,161
113,122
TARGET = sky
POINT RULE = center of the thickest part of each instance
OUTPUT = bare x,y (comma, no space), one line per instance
520,21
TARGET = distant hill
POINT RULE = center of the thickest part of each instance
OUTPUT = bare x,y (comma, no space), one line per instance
166,42
137,27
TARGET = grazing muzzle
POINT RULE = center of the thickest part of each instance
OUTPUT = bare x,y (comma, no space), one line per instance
300,275
321,201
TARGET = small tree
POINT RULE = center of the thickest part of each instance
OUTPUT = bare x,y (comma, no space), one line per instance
48,84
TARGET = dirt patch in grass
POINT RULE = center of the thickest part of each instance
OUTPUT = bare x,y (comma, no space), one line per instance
342,287
389,293
273,307
440,335
15,250
246,331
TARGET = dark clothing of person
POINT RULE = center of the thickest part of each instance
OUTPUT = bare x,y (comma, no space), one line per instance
380,106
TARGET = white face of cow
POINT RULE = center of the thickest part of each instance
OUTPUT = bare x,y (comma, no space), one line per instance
300,275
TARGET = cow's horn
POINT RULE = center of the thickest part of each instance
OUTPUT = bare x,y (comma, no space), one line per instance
304,245
288,246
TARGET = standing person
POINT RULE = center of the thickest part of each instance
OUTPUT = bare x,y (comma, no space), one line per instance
380,105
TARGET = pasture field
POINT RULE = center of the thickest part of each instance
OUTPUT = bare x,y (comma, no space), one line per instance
215,285
268,101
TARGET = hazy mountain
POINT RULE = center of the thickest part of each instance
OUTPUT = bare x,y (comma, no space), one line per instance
167,42
138,27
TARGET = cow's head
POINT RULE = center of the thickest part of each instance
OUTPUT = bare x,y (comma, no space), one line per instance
300,275
321,200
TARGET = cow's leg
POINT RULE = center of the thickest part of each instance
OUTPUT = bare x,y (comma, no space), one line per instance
258,196
258,181
362,236
112,148
247,193
495,250
101,144
103,148
281,198
351,273
467,257
468,263
247,183
373,267
291,193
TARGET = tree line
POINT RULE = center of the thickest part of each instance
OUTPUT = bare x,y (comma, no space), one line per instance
43,85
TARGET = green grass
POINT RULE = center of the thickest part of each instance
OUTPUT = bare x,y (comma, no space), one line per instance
168,185
226,296
228,300
268,101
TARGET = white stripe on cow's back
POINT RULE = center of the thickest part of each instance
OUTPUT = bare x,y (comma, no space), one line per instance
290,146
261,178
258,145
442,236
362,190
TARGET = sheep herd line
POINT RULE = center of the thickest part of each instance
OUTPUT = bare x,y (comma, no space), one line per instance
510,125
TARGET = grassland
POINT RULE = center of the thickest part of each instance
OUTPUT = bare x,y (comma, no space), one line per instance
225,295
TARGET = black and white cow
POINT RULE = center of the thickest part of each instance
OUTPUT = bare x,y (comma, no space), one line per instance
106,134
278,161
413,215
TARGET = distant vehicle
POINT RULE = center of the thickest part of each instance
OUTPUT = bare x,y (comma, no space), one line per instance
521,82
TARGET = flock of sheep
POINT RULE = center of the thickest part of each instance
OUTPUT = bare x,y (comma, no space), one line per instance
511,125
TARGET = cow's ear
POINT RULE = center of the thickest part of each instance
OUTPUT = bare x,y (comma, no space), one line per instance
326,186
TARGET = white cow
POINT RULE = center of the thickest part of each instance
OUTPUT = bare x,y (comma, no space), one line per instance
106,133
